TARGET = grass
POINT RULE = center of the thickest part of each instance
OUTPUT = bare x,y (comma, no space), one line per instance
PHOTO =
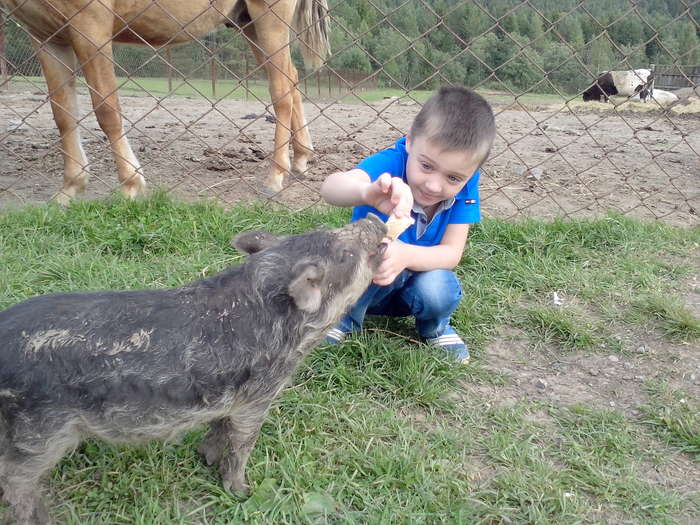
381,429
675,414
257,90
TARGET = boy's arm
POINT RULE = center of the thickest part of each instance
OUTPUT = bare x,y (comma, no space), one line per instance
389,195
446,255
345,188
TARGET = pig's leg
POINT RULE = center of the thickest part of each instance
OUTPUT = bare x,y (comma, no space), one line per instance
244,434
213,444
229,443
22,466
20,488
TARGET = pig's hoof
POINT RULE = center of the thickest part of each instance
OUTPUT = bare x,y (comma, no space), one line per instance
38,516
236,487
210,452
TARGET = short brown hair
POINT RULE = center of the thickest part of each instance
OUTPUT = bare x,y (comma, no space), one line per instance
457,119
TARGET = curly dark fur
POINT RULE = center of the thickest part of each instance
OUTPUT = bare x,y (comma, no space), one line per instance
129,366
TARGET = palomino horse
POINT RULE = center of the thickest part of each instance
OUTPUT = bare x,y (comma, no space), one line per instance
73,34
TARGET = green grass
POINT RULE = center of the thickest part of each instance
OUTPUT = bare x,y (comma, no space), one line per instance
381,429
675,414
257,90
674,319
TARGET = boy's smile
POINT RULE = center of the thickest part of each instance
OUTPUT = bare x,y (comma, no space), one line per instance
435,175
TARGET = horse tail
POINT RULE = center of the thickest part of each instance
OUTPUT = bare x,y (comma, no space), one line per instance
311,26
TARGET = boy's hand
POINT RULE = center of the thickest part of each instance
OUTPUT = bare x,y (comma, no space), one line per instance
389,195
393,264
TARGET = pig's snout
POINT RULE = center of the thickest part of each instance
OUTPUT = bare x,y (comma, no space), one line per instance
376,224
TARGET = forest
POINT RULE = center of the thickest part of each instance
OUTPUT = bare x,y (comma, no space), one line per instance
547,46
538,45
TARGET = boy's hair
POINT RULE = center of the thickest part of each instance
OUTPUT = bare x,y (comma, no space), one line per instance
457,119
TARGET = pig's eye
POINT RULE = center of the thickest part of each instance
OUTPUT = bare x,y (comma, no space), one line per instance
347,256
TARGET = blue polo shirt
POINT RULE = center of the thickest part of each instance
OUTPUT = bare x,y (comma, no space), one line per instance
462,209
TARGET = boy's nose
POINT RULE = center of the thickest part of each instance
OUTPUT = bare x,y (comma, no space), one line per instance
432,185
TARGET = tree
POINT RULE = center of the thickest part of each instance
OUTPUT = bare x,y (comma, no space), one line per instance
533,29
627,31
687,44
388,51
570,30
632,57
600,54
478,62
564,72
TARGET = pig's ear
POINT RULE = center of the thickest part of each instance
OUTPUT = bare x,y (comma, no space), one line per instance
305,287
252,242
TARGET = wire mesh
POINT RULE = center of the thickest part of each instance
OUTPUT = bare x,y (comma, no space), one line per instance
201,119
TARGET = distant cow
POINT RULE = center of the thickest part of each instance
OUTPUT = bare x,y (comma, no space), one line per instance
621,83
130,366
664,97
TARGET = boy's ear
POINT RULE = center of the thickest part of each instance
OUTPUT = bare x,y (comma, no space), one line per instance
408,143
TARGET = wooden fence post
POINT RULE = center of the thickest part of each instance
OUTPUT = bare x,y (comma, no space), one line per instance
247,73
213,76
169,59
4,76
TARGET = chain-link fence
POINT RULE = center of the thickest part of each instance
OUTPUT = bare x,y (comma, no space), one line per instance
201,120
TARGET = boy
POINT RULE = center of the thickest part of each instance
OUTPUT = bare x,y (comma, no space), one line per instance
432,175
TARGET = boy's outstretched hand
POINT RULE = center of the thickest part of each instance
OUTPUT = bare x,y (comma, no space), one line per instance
389,195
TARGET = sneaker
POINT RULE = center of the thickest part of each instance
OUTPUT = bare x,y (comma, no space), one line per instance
335,336
453,344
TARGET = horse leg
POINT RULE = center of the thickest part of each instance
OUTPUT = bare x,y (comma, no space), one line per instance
271,38
301,137
59,65
91,36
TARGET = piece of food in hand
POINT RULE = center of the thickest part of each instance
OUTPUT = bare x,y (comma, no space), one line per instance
397,225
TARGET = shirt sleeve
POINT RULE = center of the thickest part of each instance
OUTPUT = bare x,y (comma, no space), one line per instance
467,206
387,161
392,161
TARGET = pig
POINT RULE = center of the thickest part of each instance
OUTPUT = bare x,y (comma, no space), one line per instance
131,366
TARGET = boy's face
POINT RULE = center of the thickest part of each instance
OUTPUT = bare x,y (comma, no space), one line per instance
435,175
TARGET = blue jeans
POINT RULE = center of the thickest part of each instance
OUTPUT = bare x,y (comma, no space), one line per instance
431,297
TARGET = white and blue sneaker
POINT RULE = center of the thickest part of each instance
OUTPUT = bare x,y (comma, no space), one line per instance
335,336
452,343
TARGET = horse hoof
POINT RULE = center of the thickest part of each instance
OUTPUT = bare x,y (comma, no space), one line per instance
61,198
134,189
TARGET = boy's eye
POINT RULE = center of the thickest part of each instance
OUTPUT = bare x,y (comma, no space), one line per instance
453,179
426,167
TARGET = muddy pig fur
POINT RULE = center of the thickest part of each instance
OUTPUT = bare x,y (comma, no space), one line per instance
131,366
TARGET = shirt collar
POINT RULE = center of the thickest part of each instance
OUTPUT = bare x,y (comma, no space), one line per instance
444,205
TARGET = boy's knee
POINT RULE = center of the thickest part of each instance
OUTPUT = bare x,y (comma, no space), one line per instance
438,291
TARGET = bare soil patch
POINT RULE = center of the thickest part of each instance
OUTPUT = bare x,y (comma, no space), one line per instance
561,160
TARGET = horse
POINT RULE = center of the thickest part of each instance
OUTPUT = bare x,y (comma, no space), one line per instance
69,35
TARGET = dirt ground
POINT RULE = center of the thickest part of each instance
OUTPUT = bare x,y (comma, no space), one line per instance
550,160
